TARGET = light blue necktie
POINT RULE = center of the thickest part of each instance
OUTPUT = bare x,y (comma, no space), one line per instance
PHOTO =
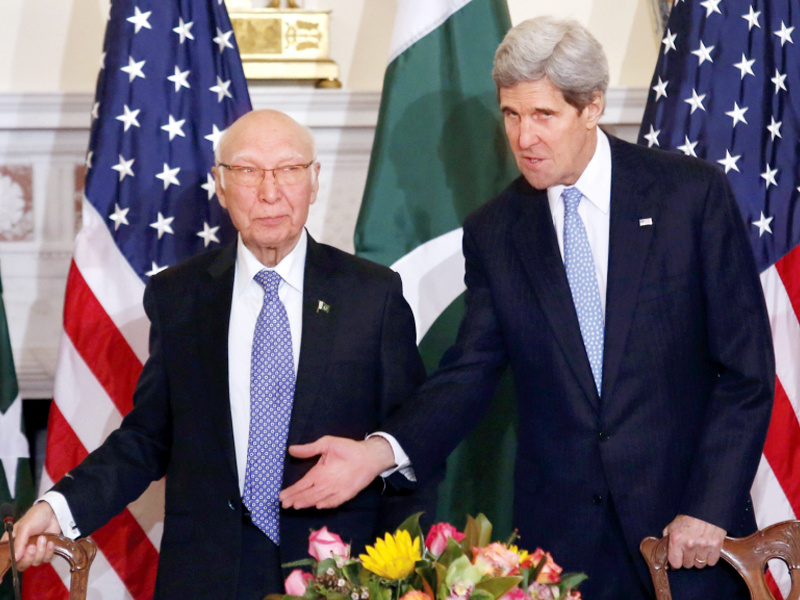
583,283
271,394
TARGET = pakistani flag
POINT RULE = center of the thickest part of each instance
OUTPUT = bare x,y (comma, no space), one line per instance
16,484
440,152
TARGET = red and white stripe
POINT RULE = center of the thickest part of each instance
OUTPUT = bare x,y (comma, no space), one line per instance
102,350
776,490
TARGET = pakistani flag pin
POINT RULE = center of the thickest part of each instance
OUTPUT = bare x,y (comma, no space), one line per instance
323,307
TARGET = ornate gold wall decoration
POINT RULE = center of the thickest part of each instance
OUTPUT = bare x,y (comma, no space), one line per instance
289,44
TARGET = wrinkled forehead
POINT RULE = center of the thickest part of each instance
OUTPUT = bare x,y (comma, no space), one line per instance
268,143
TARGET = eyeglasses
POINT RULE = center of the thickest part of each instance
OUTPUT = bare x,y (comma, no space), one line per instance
253,176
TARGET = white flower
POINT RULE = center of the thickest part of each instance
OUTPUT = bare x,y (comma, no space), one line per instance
341,583
330,571
12,203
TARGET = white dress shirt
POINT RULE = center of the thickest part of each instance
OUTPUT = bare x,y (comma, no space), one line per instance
595,184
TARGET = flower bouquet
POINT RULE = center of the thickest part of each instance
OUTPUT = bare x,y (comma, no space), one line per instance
448,565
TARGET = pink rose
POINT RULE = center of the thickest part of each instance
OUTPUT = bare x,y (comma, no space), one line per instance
437,537
297,582
551,572
495,560
323,544
515,593
540,591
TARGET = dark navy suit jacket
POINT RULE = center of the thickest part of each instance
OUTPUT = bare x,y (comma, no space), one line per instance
688,370
358,363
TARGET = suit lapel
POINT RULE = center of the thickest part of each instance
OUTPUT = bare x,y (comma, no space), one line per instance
633,197
214,309
317,337
537,245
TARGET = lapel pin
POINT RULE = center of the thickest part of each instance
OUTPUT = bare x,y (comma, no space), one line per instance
323,307
645,222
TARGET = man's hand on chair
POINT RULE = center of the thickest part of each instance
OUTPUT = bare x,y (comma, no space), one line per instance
693,543
39,519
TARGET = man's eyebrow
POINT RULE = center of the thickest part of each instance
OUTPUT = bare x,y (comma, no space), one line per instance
539,110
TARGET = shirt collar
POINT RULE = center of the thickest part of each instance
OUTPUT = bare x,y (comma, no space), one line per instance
595,181
291,268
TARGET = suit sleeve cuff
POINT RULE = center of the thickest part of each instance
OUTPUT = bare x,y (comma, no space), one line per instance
401,460
63,514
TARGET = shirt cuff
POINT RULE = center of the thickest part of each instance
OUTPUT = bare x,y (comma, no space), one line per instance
63,514
401,460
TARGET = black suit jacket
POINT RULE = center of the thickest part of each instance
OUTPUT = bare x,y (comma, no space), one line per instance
358,362
688,370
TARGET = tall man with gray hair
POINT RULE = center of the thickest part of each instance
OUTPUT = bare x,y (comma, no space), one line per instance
618,283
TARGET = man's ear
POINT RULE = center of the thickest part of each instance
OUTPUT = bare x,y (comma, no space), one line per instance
594,110
216,172
315,185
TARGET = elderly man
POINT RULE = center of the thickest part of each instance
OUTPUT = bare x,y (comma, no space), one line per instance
272,339
619,284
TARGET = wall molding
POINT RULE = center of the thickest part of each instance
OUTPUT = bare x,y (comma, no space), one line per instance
316,108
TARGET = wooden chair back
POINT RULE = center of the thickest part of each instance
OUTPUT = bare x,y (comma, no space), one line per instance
79,554
748,555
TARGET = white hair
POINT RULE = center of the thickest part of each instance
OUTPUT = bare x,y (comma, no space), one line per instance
563,51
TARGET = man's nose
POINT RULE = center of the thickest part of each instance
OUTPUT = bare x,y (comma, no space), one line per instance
268,188
528,134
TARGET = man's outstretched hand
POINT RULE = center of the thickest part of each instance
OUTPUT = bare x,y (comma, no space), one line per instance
345,468
693,543
39,519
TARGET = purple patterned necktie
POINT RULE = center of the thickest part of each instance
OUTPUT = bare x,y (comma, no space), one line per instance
272,383
583,283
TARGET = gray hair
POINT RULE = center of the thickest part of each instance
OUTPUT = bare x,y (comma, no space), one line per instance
563,51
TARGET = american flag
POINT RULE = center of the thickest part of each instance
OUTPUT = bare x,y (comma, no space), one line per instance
170,82
727,89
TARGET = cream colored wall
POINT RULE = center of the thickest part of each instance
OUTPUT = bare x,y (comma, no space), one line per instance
55,46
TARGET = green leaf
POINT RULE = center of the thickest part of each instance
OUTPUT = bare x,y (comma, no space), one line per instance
478,533
303,562
377,591
352,571
411,525
571,581
427,571
441,576
451,553
479,594
526,578
485,528
497,586
331,595
534,571
324,565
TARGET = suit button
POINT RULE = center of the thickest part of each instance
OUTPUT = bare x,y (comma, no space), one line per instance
602,436
597,499
231,505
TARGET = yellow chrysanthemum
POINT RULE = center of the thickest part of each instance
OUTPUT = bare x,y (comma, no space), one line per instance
523,554
392,557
